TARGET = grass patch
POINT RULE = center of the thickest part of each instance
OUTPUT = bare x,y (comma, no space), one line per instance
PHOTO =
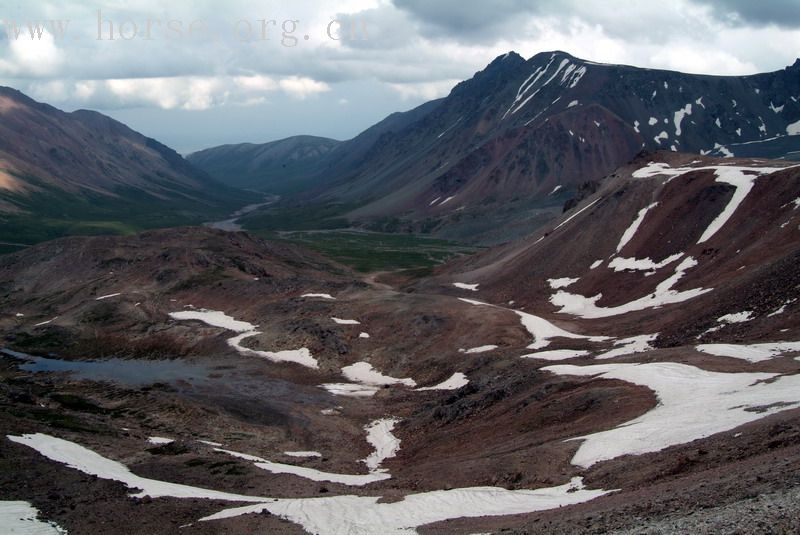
50,213
371,251
317,217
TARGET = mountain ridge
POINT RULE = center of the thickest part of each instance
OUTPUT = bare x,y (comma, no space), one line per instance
84,172
497,146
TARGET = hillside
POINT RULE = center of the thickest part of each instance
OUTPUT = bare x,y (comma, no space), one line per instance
498,156
277,168
632,365
84,173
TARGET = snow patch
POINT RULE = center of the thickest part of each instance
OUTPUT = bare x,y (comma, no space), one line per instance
751,352
102,297
576,214
365,374
743,178
341,321
722,149
586,307
456,381
337,514
214,318
364,515
556,354
541,329
89,462
735,176
561,283
738,317
312,474
678,117
21,518
322,296
630,232
692,403
479,349
300,356
641,264
465,286
379,435
630,346
350,390
159,441
302,453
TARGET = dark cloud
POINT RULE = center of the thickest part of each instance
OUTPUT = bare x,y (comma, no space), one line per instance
785,13
475,19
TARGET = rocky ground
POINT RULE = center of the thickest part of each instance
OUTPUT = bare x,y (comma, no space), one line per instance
515,423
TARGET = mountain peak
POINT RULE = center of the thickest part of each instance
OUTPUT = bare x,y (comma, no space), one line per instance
549,54
510,57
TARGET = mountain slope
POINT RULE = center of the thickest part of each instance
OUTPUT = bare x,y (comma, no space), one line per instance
670,245
80,172
483,162
672,298
279,167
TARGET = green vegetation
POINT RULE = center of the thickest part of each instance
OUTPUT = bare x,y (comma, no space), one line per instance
51,213
372,251
314,217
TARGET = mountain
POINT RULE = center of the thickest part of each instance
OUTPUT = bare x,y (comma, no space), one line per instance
501,153
632,367
306,161
279,167
669,244
83,172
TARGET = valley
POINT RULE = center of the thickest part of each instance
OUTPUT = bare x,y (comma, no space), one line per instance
266,387
563,298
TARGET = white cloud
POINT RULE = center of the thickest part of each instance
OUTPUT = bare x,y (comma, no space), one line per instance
301,87
413,54
38,57
424,90
180,92
256,83
691,59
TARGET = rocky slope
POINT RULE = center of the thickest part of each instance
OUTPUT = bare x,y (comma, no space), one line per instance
711,234
633,364
499,155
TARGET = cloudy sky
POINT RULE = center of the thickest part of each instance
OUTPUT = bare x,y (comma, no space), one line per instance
200,75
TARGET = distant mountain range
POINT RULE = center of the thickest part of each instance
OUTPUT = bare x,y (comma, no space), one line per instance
84,173
280,167
501,153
